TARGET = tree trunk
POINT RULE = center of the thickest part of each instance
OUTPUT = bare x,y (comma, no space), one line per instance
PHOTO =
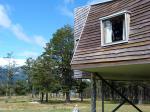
47,97
7,89
10,92
81,96
140,95
67,97
135,95
39,95
63,94
112,92
42,96
33,92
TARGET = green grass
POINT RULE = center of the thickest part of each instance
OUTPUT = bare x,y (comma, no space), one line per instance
23,104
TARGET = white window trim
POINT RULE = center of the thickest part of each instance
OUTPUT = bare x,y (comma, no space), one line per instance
127,23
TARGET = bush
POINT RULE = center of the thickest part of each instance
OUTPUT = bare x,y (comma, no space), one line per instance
20,87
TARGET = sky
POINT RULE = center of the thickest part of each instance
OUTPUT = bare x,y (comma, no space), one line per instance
26,25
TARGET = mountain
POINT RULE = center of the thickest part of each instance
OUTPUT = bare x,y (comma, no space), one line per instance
19,74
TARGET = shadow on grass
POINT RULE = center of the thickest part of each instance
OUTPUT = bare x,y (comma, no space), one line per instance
51,101
17,100
63,102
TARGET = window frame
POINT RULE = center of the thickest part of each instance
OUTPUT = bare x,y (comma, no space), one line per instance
127,23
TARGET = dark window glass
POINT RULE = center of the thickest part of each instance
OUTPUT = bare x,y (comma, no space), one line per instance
117,28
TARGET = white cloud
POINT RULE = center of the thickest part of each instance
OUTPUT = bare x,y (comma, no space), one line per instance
18,62
65,8
40,41
28,54
65,11
4,19
17,29
68,1
18,32
90,2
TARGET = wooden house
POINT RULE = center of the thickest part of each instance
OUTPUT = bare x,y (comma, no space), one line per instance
112,39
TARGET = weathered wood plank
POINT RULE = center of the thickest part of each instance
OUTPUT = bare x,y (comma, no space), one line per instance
117,63
119,52
89,49
114,55
114,59
134,43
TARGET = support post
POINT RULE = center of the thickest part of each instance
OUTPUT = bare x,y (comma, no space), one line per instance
93,93
102,92
119,106
114,89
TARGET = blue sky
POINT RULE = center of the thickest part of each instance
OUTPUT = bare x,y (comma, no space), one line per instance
26,25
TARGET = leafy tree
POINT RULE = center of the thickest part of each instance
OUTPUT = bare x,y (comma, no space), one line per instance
81,85
0,72
11,70
2,89
21,87
61,47
28,71
42,75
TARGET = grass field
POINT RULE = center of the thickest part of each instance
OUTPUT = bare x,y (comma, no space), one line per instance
25,104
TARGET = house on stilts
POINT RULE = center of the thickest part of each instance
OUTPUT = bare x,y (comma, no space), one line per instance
112,42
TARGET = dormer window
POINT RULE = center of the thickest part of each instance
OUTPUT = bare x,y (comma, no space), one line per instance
115,28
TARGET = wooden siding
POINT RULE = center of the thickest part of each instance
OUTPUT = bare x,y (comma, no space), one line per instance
80,15
81,75
77,74
89,49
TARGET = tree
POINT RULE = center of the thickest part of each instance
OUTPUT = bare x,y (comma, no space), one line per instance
0,72
20,87
61,47
42,75
28,71
10,73
81,86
